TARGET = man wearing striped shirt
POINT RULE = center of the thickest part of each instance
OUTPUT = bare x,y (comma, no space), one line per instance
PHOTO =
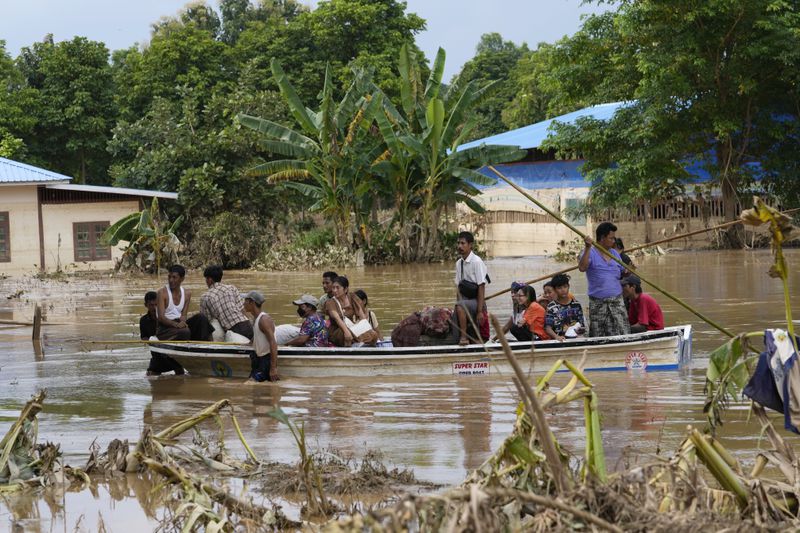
224,303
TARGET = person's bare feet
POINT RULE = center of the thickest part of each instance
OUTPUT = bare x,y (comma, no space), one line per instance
463,341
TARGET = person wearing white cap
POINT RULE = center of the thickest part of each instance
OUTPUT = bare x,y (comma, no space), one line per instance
313,332
262,368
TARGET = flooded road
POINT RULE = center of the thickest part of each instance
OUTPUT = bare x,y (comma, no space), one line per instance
439,426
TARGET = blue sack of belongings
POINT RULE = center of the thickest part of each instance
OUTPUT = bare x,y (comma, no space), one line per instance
776,380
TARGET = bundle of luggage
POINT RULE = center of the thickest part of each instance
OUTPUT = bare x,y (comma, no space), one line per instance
432,322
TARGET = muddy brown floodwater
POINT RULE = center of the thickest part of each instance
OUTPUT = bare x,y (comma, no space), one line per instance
439,426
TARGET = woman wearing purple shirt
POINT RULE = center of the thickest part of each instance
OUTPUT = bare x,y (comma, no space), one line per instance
607,313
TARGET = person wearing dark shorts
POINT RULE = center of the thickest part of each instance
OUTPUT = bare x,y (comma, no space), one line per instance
148,325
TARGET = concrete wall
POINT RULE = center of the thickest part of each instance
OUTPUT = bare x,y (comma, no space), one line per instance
23,218
523,238
514,226
58,220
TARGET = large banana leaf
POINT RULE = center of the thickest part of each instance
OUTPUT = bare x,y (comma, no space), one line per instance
286,149
386,129
121,230
361,85
486,154
312,191
285,175
473,176
435,78
282,165
275,130
469,98
296,107
326,116
472,204
434,117
409,86
146,222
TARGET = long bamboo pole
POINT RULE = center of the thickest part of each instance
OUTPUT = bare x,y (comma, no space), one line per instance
640,247
602,249
143,341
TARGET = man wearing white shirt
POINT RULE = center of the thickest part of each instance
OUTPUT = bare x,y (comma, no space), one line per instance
471,278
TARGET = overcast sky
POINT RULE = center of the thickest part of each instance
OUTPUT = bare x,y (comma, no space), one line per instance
455,25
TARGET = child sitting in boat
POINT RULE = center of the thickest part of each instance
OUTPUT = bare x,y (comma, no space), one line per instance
564,317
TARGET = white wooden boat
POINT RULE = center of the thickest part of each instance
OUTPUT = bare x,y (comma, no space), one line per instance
666,349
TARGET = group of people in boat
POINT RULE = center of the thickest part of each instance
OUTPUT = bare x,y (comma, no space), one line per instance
617,304
340,317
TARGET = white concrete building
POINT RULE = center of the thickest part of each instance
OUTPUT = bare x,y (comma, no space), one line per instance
47,223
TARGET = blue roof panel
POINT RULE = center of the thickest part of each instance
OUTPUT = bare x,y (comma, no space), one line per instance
16,172
533,135
539,175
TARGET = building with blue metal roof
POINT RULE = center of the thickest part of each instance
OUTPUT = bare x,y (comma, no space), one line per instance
48,223
515,226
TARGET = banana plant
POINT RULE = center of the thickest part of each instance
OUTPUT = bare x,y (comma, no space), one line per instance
150,237
423,162
329,156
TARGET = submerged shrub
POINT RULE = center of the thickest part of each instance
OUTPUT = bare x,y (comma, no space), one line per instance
229,239
297,257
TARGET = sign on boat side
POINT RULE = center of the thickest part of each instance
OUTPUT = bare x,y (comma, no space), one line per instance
471,368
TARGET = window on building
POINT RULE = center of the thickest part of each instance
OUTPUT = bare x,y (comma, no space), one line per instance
5,242
88,239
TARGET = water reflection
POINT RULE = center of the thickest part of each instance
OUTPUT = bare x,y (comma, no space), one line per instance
441,426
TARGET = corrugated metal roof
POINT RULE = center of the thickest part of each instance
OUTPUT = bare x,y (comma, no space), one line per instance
16,172
532,136
562,174
114,190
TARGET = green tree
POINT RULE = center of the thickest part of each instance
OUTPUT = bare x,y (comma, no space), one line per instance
18,105
180,57
494,60
330,154
75,84
339,35
594,66
711,82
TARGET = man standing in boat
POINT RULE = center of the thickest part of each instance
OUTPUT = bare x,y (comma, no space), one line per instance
471,279
223,302
607,313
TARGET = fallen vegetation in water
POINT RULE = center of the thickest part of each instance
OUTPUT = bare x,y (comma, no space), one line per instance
197,482
532,484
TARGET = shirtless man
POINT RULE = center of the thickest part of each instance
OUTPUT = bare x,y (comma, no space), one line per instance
173,304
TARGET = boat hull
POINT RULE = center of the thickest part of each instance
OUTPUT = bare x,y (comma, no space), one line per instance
666,349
